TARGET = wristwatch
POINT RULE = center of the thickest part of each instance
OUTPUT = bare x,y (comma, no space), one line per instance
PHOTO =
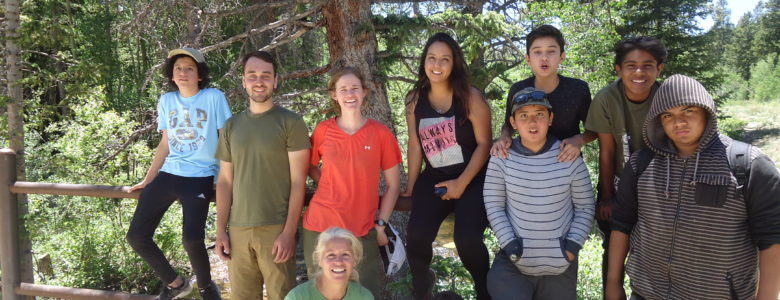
380,222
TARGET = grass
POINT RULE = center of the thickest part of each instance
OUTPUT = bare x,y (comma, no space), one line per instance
754,122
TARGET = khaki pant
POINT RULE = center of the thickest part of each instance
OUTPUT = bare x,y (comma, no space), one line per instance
370,270
251,264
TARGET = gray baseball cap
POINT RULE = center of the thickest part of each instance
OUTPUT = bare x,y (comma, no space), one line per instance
529,96
195,54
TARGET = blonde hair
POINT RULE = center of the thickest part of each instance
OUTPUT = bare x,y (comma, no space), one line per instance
334,78
335,233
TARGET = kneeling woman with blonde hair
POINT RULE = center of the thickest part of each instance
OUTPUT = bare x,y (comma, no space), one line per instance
336,255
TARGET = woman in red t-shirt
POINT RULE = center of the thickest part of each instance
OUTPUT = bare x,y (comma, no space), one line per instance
348,153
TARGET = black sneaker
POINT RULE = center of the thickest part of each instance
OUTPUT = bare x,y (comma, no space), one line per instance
211,292
169,293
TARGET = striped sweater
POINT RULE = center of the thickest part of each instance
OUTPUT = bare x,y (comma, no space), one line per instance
692,233
548,205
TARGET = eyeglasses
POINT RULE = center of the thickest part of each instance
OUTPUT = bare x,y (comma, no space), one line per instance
524,98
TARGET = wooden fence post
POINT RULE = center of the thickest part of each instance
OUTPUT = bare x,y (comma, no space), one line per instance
9,222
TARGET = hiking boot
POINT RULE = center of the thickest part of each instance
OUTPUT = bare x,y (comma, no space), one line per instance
169,293
210,292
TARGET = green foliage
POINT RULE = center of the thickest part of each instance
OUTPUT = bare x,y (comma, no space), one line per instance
765,78
756,36
767,35
722,30
589,269
732,127
738,53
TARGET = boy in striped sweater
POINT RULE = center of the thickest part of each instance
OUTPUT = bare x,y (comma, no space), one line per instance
540,209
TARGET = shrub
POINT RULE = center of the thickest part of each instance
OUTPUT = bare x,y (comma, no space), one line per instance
765,78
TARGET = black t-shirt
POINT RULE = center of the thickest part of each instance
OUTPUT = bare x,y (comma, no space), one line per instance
447,141
570,103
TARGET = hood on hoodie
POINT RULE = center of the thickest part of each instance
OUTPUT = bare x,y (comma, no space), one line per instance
678,90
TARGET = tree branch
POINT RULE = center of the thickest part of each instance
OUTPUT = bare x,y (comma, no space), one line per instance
306,73
131,139
140,16
52,56
505,5
278,41
289,96
399,78
273,25
240,10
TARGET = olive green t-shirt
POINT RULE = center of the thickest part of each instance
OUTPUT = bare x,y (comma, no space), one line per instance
612,112
257,146
308,291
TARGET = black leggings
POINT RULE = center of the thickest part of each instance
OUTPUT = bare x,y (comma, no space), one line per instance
428,211
193,194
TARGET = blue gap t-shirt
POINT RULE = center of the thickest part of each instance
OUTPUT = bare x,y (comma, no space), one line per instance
192,125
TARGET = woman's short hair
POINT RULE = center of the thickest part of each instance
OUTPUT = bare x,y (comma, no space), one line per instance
334,78
335,233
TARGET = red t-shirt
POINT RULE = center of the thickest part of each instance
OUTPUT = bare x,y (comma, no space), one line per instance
348,192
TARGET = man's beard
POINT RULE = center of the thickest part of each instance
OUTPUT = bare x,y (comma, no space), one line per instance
260,98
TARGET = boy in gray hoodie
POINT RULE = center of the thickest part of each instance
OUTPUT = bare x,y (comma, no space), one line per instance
540,209
693,232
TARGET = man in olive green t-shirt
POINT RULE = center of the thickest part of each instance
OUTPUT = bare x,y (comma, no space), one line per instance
263,155
617,114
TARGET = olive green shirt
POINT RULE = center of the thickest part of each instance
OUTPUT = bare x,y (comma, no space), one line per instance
257,145
612,112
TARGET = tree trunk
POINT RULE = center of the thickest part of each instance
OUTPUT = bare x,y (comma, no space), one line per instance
352,42
14,75
4,137
16,127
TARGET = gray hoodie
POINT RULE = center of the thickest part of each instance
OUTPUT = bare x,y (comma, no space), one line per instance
692,234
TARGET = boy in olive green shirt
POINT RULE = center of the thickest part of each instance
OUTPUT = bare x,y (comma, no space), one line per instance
617,114
264,154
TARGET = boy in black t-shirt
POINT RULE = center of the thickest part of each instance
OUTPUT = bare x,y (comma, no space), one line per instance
570,98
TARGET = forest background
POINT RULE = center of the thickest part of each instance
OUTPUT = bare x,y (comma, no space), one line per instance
82,78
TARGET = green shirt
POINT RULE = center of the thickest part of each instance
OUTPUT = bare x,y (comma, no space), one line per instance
308,291
257,145
612,112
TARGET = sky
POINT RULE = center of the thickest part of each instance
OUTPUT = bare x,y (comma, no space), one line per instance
738,9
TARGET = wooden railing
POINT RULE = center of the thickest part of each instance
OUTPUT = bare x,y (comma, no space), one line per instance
12,286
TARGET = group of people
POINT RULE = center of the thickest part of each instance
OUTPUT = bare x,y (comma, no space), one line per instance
694,223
